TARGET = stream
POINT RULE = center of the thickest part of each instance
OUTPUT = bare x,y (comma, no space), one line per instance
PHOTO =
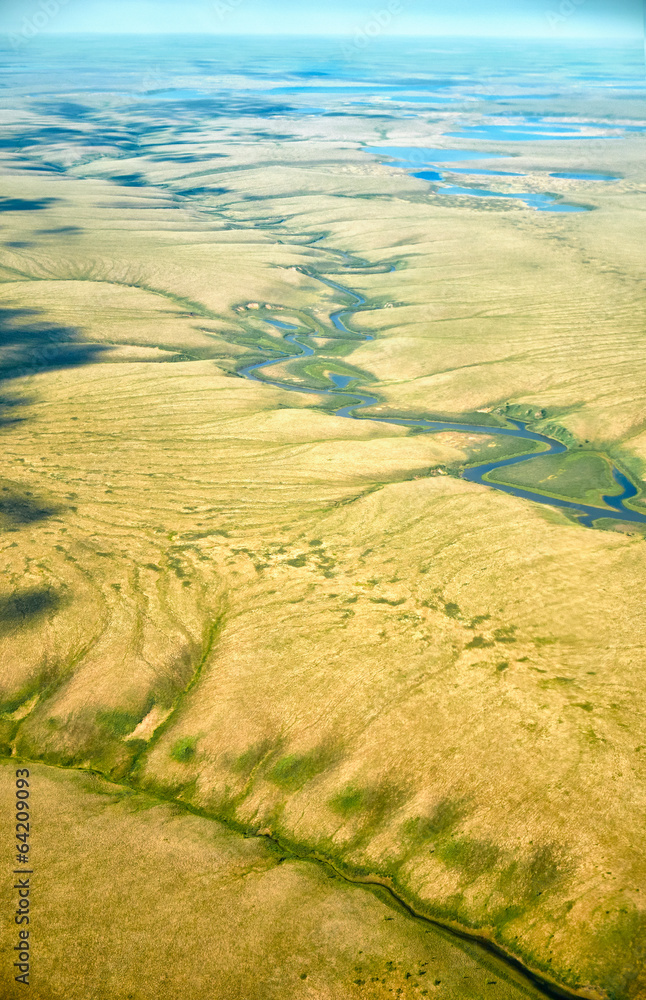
585,514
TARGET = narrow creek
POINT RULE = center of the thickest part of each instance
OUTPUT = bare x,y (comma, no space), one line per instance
584,514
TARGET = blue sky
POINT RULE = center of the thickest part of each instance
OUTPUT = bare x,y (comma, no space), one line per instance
549,18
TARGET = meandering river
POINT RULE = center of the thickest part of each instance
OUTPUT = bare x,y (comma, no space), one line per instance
585,514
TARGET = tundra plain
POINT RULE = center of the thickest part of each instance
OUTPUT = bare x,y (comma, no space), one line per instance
268,639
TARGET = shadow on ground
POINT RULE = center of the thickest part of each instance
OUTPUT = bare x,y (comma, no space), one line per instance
29,344
25,204
20,507
27,607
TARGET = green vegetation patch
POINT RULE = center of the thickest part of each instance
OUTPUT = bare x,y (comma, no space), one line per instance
349,801
471,856
121,723
295,770
622,932
479,642
501,447
522,879
12,702
519,878
317,371
581,475
367,807
452,610
183,750
251,757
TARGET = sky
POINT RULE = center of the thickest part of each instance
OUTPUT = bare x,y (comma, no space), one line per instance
601,19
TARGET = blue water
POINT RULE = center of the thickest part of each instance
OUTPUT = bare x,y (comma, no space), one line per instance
615,126
337,318
489,173
407,157
586,177
175,95
343,90
541,202
280,325
341,381
428,175
629,490
515,97
423,99
524,133
417,156
586,513
377,91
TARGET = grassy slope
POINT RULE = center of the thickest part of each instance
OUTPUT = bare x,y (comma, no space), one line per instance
164,901
441,717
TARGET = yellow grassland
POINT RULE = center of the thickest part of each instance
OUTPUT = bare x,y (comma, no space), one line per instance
219,593
138,898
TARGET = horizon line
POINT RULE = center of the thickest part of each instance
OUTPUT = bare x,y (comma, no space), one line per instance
440,33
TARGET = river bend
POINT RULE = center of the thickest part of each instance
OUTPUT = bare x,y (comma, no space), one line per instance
585,514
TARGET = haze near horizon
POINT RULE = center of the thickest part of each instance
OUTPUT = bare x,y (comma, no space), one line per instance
584,19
